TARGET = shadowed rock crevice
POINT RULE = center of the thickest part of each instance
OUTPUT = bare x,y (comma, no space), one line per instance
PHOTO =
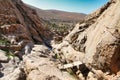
115,64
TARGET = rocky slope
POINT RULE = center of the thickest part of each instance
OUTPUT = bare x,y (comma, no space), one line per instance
17,18
96,41
20,28
20,25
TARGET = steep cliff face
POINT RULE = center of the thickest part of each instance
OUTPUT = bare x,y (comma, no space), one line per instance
22,22
20,28
96,40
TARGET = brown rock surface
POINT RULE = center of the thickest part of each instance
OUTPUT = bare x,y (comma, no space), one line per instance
18,22
20,28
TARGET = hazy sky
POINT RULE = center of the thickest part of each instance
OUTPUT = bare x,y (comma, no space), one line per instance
82,6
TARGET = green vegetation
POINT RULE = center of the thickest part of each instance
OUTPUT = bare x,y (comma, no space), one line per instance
62,29
9,54
59,28
7,50
4,42
57,56
71,72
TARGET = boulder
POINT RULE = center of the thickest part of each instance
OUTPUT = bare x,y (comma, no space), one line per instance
15,75
3,57
97,39
42,68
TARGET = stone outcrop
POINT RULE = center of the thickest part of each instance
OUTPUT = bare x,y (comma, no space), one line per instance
15,75
96,40
20,24
3,57
20,29
39,64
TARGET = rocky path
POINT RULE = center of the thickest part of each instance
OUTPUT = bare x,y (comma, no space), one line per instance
40,62
38,65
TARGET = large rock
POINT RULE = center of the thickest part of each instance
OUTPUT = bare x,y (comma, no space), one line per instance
3,57
15,75
103,39
97,37
39,67
37,75
20,28
20,23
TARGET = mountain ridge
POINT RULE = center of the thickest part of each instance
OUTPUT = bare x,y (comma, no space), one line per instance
59,15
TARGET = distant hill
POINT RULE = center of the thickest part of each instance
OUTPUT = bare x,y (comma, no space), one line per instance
59,16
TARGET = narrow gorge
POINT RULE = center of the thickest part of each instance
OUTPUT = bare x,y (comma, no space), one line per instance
28,51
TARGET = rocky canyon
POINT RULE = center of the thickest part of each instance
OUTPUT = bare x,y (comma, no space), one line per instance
28,50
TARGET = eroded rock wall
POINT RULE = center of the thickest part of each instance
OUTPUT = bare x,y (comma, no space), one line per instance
97,37
21,22
20,29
